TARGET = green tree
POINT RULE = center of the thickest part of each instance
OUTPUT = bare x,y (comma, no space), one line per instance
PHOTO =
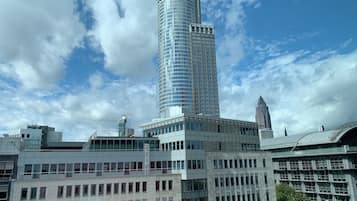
287,193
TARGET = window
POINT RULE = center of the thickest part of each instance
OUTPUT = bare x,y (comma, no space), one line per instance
42,193
294,165
163,185
336,163
85,190
306,165
60,191
61,168
93,190
45,168
137,187
216,182
123,188
100,189
68,191
170,185
116,188
33,194
53,169
84,167
130,187
69,169
77,190
282,165
144,186
91,167
109,189
77,168
264,162
157,185
24,194
28,169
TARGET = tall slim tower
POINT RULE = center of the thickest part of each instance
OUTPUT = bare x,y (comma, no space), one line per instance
179,91
262,115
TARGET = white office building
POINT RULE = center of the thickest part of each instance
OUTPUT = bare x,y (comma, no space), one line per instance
197,143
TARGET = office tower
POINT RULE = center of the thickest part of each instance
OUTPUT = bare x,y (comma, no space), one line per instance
203,62
262,115
178,64
321,165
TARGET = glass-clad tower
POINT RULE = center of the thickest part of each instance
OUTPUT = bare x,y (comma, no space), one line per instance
176,86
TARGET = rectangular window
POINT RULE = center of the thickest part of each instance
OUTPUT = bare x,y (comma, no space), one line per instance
137,187
77,168
69,170
60,191
42,193
68,191
84,167
163,185
144,186
28,169
116,188
24,194
170,185
100,189
93,190
157,185
108,189
53,169
91,167
45,168
77,190
61,168
216,182
123,188
130,187
85,190
33,194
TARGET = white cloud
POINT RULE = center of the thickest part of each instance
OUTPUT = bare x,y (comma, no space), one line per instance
125,31
36,38
80,111
303,90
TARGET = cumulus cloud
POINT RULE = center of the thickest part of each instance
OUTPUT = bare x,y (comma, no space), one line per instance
125,31
80,112
230,37
304,90
36,38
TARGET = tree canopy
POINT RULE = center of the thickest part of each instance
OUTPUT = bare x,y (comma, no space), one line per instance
287,193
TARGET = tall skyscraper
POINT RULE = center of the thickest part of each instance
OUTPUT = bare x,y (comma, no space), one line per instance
262,115
188,75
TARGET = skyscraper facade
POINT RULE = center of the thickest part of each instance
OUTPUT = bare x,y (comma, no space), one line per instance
262,115
178,90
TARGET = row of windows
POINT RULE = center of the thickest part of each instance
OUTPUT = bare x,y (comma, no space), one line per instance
242,197
180,145
336,163
164,185
201,126
235,163
31,193
86,190
70,168
238,181
82,168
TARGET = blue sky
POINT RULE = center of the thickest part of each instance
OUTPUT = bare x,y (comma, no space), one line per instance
79,65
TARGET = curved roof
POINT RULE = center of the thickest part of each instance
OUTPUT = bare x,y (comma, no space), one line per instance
306,139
